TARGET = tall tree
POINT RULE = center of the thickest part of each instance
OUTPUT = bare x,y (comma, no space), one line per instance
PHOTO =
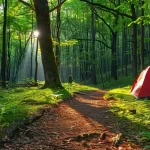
48,59
142,37
58,22
134,40
51,75
3,58
134,26
93,70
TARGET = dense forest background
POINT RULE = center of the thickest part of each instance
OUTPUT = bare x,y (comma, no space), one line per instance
93,41
45,45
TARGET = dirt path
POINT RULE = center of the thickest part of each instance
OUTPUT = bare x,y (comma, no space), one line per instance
83,123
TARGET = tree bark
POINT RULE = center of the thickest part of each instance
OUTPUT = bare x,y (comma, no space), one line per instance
134,42
31,56
51,75
58,22
114,57
9,55
36,62
3,58
87,56
124,49
93,70
142,39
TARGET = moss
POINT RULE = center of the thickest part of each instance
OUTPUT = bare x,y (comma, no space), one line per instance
18,103
129,110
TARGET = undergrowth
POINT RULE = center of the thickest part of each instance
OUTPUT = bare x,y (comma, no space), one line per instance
18,103
133,114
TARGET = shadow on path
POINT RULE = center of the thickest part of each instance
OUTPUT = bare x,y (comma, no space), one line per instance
92,106
84,113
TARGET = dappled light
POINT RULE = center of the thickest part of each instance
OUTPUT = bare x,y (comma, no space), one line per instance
36,33
79,123
27,69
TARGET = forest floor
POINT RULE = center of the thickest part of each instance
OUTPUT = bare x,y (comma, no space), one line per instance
81,123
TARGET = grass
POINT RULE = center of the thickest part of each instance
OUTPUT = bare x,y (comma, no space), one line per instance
18,103
75,87
121,82
133,114
126,103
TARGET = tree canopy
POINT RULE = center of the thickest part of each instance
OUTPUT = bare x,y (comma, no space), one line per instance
85,37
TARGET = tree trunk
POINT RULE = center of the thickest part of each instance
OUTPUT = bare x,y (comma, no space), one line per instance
9,55
36,62
124,47
114,57
51,75
74,63
93,70
134,42
3,58
142,39
114,48
87,56
31,58
58,22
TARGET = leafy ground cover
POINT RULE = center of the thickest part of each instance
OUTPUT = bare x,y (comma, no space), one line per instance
18,103
127,107
82,122
132,115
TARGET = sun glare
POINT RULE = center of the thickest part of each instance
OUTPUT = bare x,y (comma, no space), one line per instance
36,33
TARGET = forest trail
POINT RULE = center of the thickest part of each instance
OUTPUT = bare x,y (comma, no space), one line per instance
82,123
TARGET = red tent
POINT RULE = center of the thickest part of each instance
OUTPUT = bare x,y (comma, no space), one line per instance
141,86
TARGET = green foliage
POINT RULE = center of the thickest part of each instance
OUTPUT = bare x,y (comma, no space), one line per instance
146,147
66,43
139,20
128,109
126,102
18,103
145,136
123,81
74,87
7,112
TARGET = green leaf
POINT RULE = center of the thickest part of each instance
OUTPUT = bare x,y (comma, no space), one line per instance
146,146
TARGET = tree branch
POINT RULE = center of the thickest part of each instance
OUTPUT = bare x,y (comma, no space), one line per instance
107,8
104,21
58,6
103,9
103,44
27,4
113,2
90,40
